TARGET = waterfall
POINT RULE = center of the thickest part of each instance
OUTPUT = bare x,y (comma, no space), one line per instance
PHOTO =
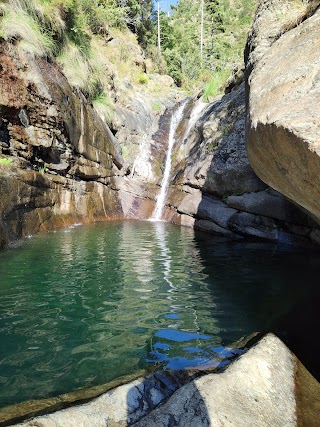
199,106
161,198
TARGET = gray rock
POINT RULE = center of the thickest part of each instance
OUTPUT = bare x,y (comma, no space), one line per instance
271,204
206,208
283,101
253,225
190,204
216,211
213,228
122,406
217,162
257,391
267,386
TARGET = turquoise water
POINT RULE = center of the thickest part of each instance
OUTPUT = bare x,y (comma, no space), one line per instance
82,306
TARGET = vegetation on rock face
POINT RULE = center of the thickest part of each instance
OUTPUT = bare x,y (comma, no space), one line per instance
5,161
68,30
77,34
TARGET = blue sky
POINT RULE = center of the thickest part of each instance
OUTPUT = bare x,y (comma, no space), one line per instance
165,4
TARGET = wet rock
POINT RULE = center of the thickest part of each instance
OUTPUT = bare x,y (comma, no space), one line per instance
211,227
122,406
33,201
215,210
53,132
247,224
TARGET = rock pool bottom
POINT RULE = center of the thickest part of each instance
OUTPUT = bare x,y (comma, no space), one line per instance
86,305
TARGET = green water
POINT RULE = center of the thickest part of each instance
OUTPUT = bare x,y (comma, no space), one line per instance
85,305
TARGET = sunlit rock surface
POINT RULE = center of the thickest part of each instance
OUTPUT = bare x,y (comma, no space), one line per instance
283,127
267,386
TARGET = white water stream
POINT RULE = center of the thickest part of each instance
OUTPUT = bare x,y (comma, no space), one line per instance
161,198
198,108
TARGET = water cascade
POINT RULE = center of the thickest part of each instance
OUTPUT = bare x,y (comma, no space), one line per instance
197,110
161,198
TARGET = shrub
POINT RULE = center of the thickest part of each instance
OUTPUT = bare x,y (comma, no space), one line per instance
143,79
5,161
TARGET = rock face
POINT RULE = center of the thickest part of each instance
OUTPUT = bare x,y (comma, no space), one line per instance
215,189
267,386
60,162
283,116
64,157
67,165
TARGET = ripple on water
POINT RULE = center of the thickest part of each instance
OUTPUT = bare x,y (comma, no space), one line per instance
83,307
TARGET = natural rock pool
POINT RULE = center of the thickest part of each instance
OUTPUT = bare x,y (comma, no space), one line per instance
85,305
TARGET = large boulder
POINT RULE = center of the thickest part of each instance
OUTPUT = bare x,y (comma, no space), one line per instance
283,113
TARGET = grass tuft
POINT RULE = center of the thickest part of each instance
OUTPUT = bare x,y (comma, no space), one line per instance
74,65
104,107
5,161
17,25
215,86
143,79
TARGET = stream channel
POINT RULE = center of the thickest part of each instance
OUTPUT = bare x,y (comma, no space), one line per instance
85,305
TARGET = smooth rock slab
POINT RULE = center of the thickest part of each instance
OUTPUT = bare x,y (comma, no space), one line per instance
255,391
267,203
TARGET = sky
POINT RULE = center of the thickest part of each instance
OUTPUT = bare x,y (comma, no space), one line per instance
165,4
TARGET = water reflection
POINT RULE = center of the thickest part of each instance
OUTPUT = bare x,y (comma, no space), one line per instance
82,307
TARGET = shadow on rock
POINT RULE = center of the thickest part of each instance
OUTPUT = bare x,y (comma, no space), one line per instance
147,401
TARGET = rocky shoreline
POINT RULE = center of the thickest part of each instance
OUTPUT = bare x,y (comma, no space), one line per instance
266,386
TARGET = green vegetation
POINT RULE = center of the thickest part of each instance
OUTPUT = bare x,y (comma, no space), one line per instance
77,34
103,106
225,27
156,107
5,161
72,32
215,85
143,79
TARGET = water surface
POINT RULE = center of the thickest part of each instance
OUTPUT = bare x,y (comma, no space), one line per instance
82,306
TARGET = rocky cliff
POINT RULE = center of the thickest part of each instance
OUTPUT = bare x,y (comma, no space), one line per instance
215,183
63,163
215,189
60,162
58,157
